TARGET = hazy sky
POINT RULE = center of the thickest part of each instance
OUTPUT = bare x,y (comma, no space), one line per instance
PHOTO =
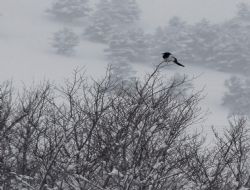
157,12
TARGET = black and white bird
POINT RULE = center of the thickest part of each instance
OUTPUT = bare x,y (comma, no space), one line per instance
168,57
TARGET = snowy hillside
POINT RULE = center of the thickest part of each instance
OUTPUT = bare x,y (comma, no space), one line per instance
27,56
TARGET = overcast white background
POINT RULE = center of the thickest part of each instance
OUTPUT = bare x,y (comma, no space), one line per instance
25,34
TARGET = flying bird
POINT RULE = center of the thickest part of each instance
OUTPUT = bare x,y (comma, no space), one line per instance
168,57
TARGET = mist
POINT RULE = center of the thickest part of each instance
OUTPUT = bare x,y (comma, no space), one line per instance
89,52
159,12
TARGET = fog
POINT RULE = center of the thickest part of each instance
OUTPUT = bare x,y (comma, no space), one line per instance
153,122
28,53
158,12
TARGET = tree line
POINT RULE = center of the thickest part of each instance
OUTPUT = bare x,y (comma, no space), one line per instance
223,46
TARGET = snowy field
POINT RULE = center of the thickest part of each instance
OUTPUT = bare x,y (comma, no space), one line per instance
26,56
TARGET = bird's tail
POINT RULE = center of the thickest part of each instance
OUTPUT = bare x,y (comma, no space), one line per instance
176,62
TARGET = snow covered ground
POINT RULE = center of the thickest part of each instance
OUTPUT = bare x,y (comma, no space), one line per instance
26,56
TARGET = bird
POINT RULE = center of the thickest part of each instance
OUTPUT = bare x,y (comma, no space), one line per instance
168,57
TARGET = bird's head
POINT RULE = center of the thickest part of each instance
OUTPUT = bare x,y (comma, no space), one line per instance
166,53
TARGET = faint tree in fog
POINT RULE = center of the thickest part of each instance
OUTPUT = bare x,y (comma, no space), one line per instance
244,12
111,17
69,10
125,11
64,41
237,96
203,44
100,23
222,46
130,44
233,47
174,38
231,44
126,49
235,43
